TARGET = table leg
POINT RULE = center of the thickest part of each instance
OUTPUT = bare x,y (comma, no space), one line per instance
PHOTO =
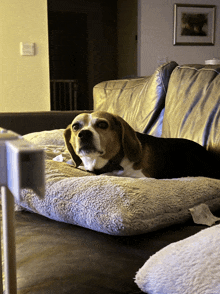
8,221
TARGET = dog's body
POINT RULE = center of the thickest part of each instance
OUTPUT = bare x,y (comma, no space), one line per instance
105,143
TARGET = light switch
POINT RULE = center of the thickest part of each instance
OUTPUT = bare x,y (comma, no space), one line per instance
27,48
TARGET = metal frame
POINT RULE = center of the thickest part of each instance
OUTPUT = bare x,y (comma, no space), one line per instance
8,242
64,94
194,40
20,162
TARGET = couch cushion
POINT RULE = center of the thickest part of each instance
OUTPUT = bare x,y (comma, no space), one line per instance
192,108
139,101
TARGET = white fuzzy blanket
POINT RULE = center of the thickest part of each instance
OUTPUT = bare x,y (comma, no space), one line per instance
191,266
113,205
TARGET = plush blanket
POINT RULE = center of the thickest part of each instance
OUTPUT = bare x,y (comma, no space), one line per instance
113,205
188,266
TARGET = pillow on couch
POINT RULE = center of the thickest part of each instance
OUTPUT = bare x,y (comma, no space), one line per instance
54,137
145,95
114,205
188,266
192,106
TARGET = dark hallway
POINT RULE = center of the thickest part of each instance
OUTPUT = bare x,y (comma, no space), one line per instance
82,48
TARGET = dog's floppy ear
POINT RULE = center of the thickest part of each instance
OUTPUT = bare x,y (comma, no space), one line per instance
67,136
131,145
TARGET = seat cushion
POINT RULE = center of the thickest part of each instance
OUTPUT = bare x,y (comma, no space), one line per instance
54,257
192,108
139,101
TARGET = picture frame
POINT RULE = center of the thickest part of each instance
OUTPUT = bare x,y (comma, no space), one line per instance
194,25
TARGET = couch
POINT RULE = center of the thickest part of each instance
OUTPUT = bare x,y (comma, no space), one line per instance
101,234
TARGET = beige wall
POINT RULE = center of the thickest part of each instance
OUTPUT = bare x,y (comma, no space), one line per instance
24,80
155,41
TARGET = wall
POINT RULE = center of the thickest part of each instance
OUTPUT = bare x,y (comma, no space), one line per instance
24,80
127,33
155,36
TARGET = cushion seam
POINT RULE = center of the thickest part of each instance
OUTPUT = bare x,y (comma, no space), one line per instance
107,88
200,69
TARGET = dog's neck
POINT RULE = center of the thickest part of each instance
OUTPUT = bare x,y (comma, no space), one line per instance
93,161
98,165
110,167
128,170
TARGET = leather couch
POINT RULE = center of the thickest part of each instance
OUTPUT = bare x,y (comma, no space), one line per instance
54,257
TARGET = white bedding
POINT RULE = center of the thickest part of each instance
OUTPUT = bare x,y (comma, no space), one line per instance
190,266
113,205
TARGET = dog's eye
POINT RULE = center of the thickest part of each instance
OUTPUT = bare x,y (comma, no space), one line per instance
102,125
76,126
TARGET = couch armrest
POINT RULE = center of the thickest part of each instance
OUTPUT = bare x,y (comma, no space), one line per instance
24,122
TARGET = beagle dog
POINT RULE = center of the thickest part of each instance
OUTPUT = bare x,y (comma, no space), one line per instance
105,143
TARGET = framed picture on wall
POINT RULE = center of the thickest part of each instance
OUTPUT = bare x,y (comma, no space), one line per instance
194,24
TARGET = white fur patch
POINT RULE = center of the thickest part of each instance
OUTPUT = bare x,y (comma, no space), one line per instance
128,170
93,161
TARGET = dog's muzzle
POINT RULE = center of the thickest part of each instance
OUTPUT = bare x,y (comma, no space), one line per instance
86,140
85,136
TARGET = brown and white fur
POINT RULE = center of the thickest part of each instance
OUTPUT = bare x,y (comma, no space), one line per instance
106,143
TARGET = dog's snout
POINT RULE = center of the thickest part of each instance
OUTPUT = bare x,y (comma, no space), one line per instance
85,135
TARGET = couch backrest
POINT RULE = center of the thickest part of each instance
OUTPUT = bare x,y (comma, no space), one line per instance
192,108
139,101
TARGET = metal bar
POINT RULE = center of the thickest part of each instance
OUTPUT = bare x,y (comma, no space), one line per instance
59,96
9,241
75,88
71,95
65,94
54,95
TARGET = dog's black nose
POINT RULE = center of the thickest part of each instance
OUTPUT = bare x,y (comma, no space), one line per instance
85,135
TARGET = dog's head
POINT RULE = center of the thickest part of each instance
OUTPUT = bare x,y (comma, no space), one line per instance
101,135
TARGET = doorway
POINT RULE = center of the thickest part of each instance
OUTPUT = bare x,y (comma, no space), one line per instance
82,47
68,51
